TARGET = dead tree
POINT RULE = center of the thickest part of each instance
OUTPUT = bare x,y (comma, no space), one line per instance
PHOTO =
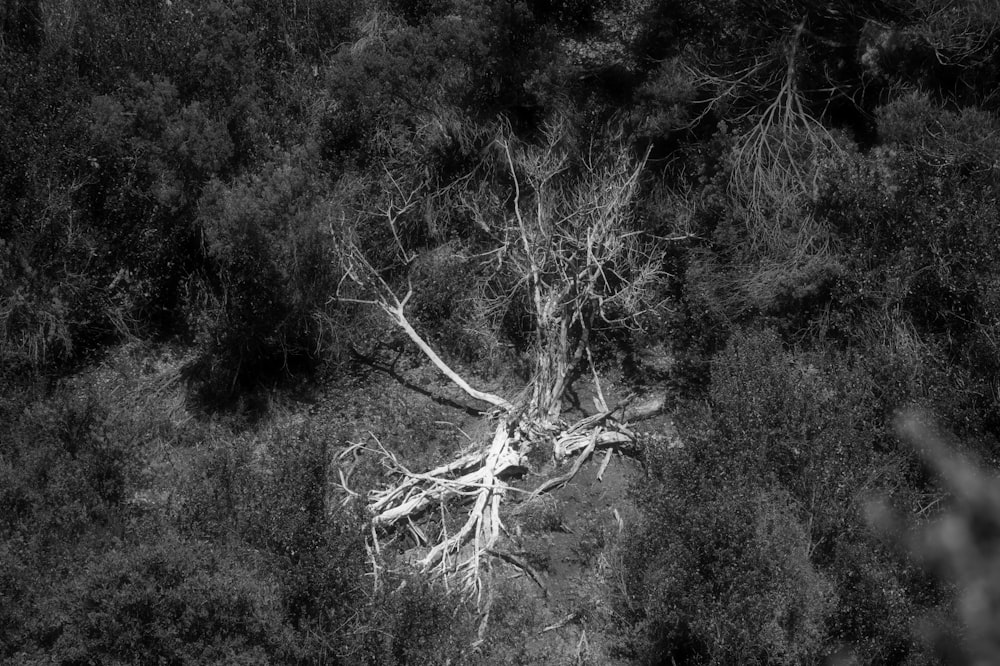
565,236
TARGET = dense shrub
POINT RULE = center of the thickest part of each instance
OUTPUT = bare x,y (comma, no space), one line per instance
319,552
52,301
119,118
735,584
277,504
764,503
915,219
266,235
396,79
68,466
151,157
310,30
416,623
169,601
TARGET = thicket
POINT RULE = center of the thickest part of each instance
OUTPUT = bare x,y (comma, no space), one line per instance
243,562
753,546
824,180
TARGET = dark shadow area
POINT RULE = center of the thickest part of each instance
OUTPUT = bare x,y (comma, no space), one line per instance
390,369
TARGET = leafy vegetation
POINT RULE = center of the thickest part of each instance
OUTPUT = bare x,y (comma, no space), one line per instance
812,188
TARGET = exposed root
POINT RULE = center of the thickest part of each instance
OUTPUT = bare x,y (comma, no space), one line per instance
483,526
477,477
559,481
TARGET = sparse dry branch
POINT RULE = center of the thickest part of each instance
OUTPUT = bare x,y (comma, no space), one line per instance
560,624
399,202
725,89
963,34
775,163
357,268
572,241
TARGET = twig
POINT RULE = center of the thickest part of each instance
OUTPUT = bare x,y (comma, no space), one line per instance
582,646
520,564
560,624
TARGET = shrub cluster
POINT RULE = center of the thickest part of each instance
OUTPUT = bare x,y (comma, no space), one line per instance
247,562
753,547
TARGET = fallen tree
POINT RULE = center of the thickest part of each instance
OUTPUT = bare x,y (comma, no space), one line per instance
566,244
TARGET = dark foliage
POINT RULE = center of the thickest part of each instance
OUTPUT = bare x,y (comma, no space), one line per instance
182,170
274,264
753,547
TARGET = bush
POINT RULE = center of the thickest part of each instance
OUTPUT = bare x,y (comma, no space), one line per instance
966,139
727,579
319,551
266,235
446,288
750,548
52,306
170,601
68,466
417,623
915,222
276,503
152,155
